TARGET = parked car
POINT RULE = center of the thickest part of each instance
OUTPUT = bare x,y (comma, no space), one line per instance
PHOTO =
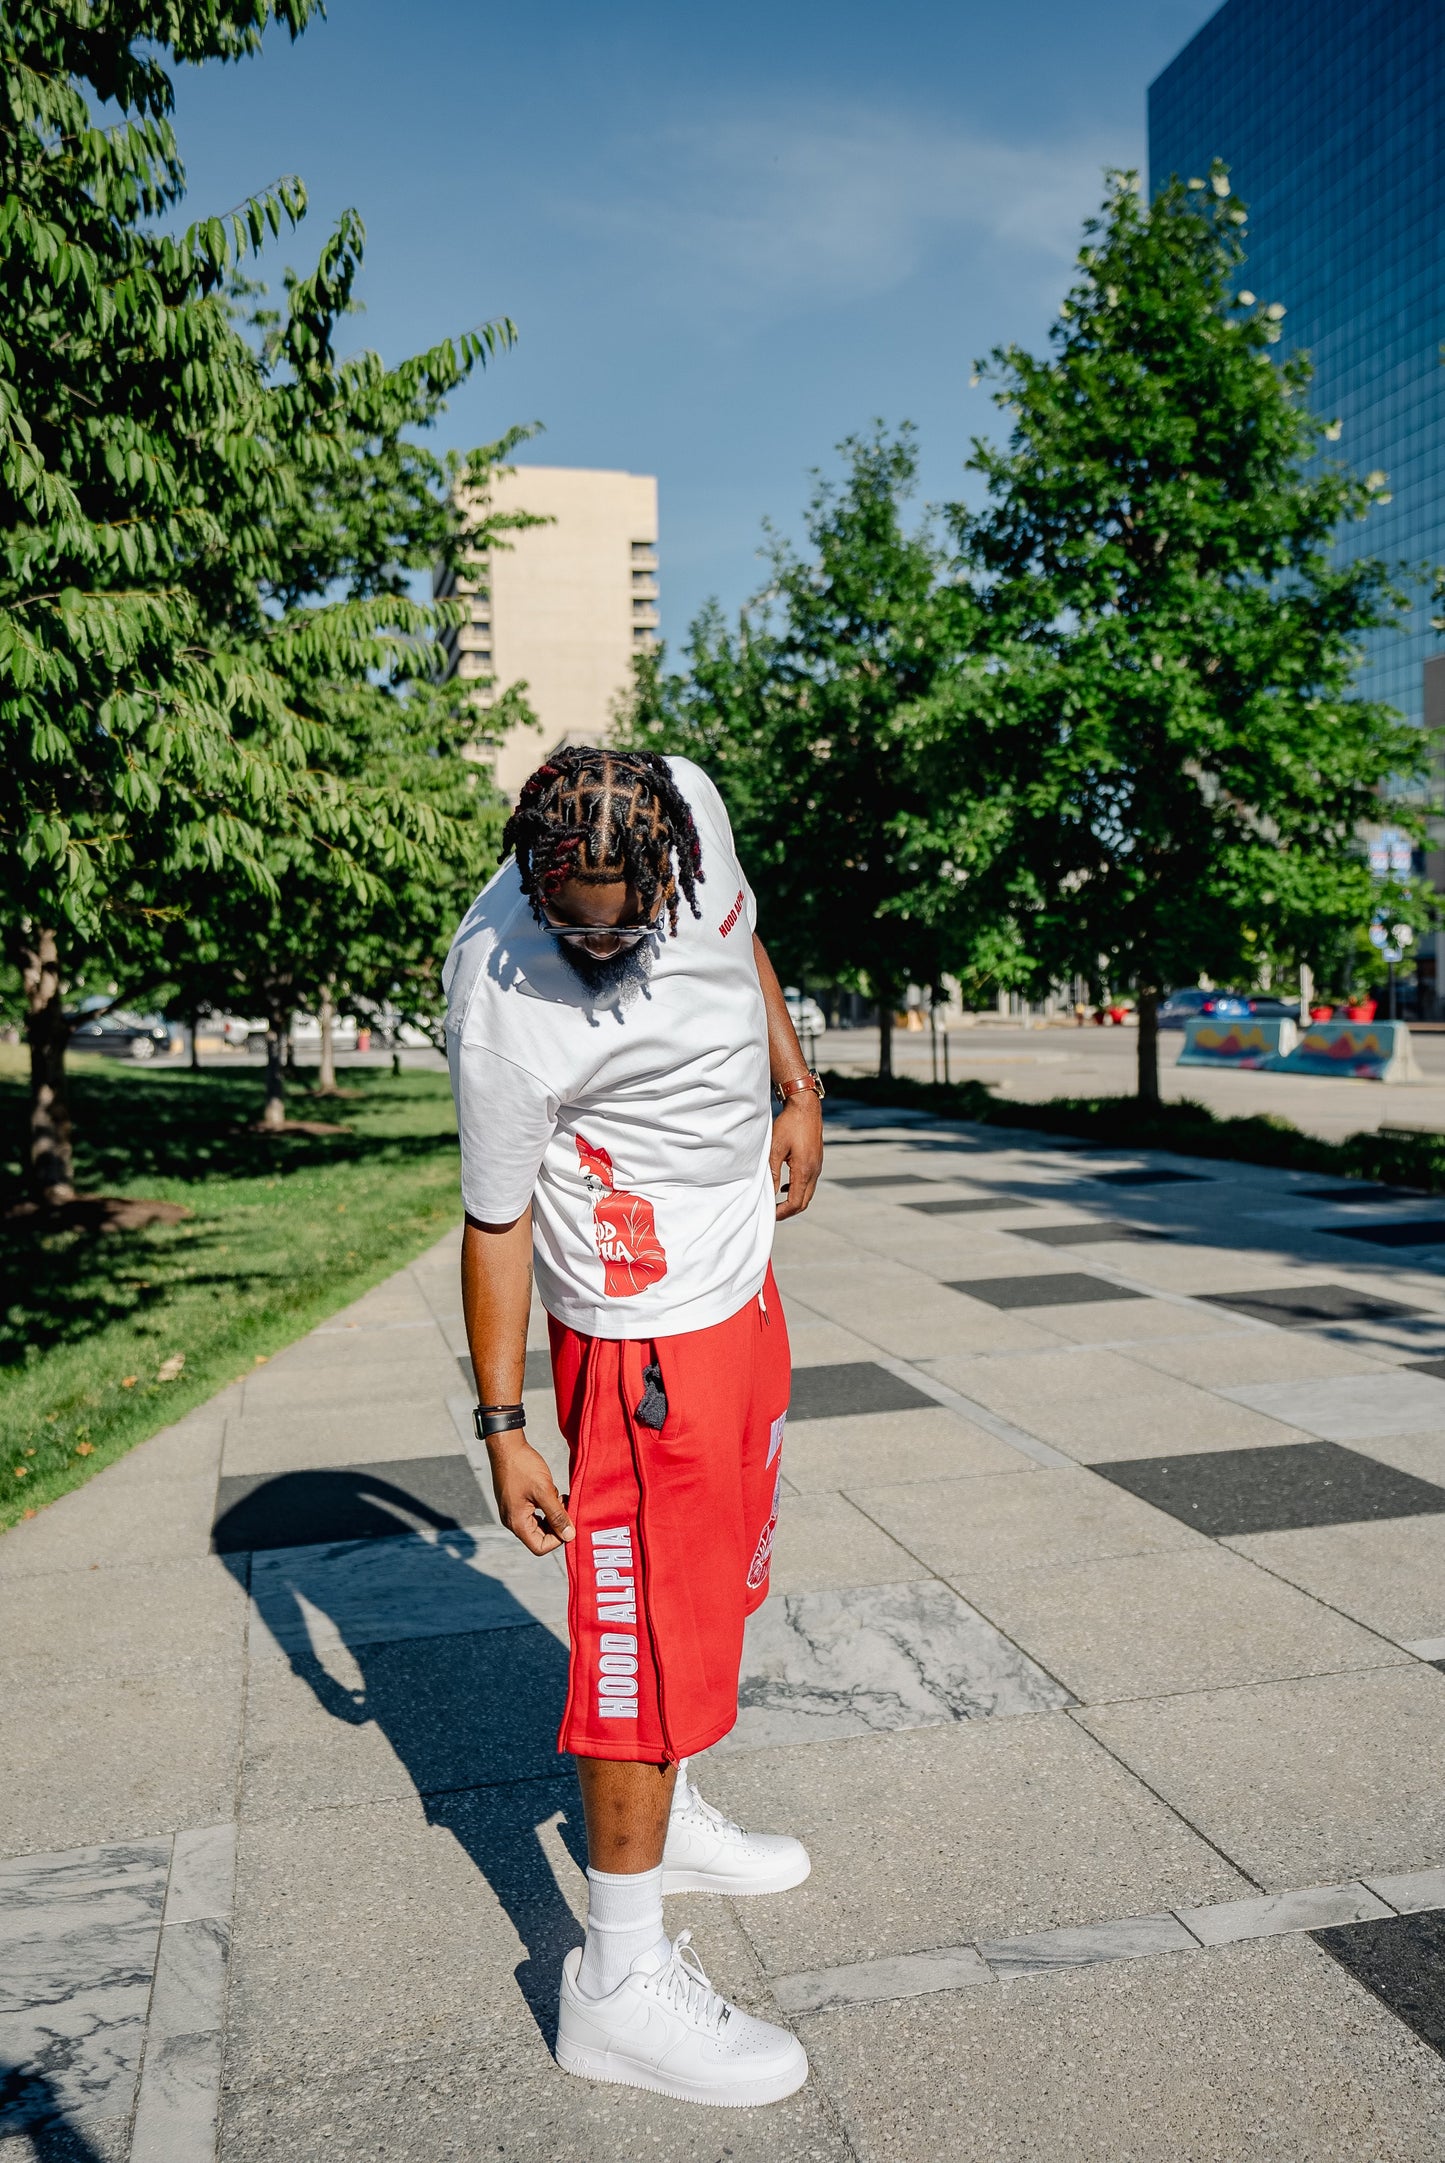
234,1030
1268,1008
1182,1006
806,1014
137,1036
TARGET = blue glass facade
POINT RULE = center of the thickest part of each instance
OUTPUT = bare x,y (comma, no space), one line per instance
1331,117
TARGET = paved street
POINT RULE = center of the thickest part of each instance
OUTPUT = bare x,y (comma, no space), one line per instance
1102,1676
1063,1061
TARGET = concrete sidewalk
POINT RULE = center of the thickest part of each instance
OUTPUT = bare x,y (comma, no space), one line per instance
1101,1676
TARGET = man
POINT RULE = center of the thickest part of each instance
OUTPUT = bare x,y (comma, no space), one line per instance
611,1054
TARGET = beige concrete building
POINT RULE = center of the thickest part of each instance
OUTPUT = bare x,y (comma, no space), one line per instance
563,607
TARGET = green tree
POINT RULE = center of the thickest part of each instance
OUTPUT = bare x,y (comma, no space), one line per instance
1175,648
327,611
151,453
841,721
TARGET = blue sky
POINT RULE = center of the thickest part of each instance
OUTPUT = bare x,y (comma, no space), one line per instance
727,235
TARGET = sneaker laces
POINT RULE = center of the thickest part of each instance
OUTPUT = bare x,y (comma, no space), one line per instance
682,1982
694,1805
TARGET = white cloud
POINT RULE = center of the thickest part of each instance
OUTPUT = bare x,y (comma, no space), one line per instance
768,212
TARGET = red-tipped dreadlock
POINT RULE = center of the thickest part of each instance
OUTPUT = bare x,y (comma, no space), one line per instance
599,815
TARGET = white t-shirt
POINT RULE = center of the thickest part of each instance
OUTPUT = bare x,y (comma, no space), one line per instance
638,1129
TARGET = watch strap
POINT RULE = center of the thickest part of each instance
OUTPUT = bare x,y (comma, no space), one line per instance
490,1419
812,1080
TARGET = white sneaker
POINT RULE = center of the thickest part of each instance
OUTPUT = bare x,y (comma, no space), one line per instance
666,2028
707,1853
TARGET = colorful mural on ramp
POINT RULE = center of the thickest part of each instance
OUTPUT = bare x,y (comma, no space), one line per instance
1242,1043
1378,1051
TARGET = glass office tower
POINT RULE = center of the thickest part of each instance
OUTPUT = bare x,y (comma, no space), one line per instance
1331,117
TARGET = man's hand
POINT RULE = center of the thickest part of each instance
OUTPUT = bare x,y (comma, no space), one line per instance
527,1499
798,1143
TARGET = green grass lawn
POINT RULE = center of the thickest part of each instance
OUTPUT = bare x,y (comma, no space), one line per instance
283,1231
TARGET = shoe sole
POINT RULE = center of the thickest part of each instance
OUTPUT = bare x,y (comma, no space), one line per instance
603,2065
709,1881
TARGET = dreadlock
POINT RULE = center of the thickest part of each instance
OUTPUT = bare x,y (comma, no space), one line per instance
599,815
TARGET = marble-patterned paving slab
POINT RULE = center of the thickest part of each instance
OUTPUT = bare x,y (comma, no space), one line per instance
54,1896
1042,1952
78,1939
1349,1408
866,1660
366,1592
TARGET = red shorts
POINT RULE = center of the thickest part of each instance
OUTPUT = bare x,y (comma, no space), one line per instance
674,1526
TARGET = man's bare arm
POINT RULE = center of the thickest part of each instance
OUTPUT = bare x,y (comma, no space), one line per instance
496,1298
798,1128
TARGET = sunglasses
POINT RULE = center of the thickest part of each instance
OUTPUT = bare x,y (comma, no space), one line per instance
623,934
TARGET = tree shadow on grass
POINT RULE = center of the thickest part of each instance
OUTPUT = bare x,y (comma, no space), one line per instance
131,1126
471,1712
61,1285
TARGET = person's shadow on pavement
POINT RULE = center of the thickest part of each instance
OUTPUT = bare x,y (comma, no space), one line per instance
472,1715
30,2105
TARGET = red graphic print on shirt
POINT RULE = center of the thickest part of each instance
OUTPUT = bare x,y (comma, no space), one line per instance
623,1226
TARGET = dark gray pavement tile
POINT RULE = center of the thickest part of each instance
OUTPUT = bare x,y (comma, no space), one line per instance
851,1387
1402,1961
345,1502
538,1375
880,1179
1356,1191
1435,1367
1104,1229
1299,1306
1408,1232
1065,1288
970,1205
1148,1177
1275,1488
1258,2050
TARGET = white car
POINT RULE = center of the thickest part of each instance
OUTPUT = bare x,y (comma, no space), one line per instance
806,1014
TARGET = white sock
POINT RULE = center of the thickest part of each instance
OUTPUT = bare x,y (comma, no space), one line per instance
624,1918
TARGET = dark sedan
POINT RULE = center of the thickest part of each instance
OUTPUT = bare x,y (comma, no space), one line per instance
1193,1003
126,1036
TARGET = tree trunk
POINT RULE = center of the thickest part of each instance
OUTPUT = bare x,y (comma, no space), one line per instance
327,1081
1149,1047
195,1020
277,1029
51,1158
885,1037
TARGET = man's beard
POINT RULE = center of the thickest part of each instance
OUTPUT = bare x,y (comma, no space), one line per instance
619,976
